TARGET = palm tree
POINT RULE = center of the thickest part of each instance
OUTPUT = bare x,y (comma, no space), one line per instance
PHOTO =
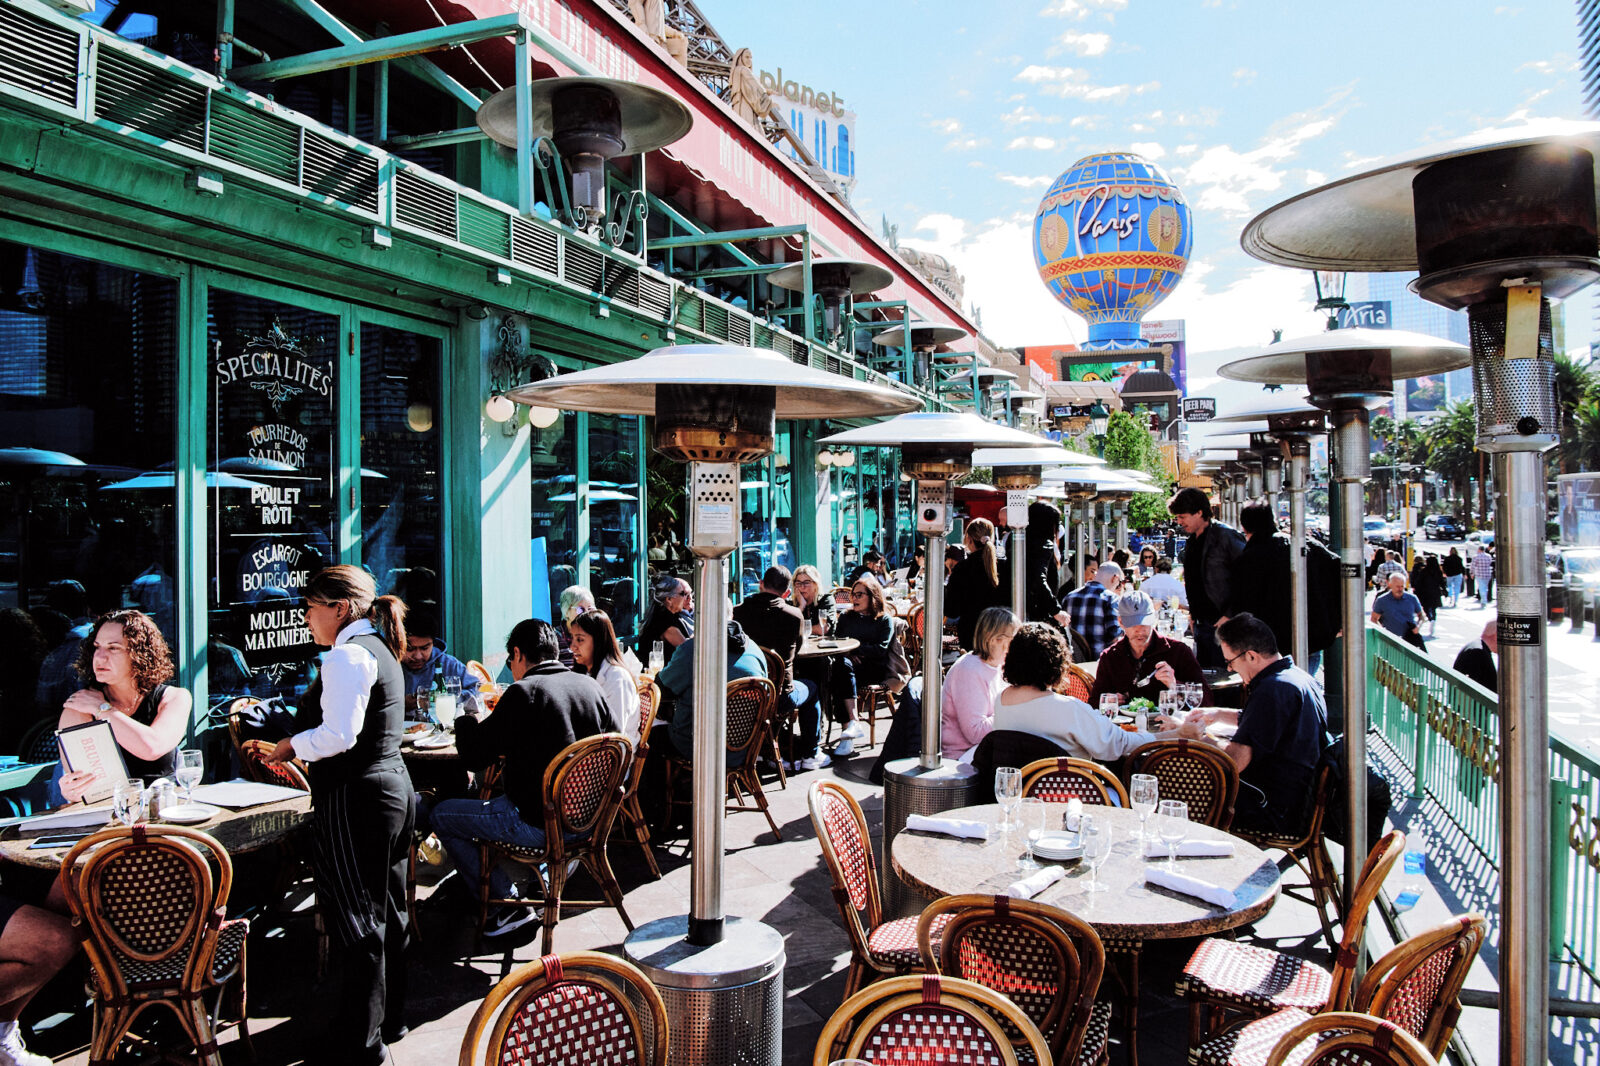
1576,383
1583,444
1451,445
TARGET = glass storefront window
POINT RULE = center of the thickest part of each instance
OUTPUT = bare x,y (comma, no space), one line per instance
553,462
88,393
400,459
614,547
271,479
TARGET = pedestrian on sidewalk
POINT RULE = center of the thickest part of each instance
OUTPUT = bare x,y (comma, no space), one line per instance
1455,572
1483,574
1427,581
1476,659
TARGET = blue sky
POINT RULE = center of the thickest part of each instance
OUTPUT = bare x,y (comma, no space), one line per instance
966,112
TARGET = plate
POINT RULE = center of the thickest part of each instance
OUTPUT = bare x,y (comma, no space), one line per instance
1059,846
433,740
189,814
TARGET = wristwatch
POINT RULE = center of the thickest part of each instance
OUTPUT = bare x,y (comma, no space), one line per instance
104,708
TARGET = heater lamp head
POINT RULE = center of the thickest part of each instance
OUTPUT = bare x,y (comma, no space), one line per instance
923,338
1345,367
648,118
833,275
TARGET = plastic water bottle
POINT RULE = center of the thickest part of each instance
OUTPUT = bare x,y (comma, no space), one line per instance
1414,864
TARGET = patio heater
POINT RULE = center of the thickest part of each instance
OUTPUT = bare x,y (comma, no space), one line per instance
924,339
715,407
834,280
980,381
1016,471
1292,426
1499,223
1348,371
589,120
935,449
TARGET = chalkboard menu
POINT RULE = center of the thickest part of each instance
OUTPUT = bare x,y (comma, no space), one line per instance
271,480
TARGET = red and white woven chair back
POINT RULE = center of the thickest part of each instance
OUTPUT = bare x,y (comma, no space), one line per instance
1076,684
649,704
1380,860
928,1018
1417,985
842,829
580,1007
584,783
1199,774
1339,1038
1060,780
749,702
255,752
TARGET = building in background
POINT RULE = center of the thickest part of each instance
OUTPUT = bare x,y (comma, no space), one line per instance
1383,301
821,121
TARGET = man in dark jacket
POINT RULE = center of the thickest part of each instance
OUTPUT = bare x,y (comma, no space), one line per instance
772,622
1207,568
1476,659
1260,574
548,709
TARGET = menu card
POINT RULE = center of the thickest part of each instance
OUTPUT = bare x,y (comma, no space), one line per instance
92,748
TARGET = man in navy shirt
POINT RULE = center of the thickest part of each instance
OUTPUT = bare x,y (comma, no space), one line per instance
1397,610
1281,730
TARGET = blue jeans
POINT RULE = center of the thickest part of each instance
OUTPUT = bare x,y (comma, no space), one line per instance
461,822
1455,581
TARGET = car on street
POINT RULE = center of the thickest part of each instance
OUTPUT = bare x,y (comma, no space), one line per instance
1441,527
1483,538
1375,529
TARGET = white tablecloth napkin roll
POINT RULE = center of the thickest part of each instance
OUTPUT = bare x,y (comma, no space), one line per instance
1194,849
1034,884
1215,895
954,827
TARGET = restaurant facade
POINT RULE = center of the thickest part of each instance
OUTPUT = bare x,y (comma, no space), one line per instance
251,325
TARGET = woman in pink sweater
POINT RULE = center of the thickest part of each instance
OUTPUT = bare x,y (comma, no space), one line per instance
970,688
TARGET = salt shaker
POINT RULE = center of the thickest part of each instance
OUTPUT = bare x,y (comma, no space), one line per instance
159,797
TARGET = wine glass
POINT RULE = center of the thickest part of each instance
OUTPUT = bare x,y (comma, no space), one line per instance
1174,826
1031,815
1096,849
127,801
1143,794
191,767
1109,702
1169,702
1007,793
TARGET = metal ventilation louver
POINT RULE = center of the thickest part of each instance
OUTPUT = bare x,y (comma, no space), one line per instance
655,295
583,267
255,139
152,101
484,227
38,56
535,246
738,328
715,321
420,203
691,309
340,173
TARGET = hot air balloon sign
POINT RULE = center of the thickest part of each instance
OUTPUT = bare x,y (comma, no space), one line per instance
1111,239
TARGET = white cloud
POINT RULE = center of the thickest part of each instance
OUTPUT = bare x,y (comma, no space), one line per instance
966,144
1081,9
1187,149
946,125
1243,76
1226,177
1022,114
1084,44
1149,149
1315,178
1073,83
1024,182
1042,144
1035,74
1087,122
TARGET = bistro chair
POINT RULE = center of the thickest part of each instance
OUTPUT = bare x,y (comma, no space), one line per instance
579,1007
38,744
1043,959
1064,778
1192,771
253,756
479,672
1346,1039
631,814
1077,683
928,1018
781,720
583,789
1225,977
150,906
1309,851
749,709
877,948
913,635
1009,747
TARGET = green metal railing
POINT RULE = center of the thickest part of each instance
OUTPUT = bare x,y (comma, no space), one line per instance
1445,728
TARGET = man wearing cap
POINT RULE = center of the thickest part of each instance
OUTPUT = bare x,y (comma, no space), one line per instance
1092,609
1207,568
1143,663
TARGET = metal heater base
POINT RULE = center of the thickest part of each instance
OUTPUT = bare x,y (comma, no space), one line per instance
909,788
724,1002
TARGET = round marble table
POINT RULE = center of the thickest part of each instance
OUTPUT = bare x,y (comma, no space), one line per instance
827,647
239,831
1128,909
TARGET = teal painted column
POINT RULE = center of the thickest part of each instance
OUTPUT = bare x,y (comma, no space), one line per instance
190,461
811,524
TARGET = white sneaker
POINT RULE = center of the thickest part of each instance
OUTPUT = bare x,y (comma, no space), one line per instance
855,730
12,1053
816,762
845,746
509,918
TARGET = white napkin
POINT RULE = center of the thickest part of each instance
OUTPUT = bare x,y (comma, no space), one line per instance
1190,886
1034,884
954,827
1154,849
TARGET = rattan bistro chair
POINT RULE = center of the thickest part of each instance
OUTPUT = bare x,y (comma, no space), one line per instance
877,948
1062,779
1043,959
583,789
749,710
631,815
580,1007
1192,771
1076,682
1309,851
928,1018
1348,1039
150,905
781,720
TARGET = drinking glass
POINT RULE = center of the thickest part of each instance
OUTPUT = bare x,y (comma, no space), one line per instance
445,703
1109,702
191,767
1096,849
1194,693
1143,794
1169,703
1032,816
1174,826
1007,793
658,657
127,801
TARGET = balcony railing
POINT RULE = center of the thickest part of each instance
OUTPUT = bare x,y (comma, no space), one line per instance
1445,728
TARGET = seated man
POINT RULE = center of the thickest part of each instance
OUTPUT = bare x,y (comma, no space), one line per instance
35,945
1476,659
676,738
1281,730
1163,587
1142,663
546,710
1092,609
426,661
774,624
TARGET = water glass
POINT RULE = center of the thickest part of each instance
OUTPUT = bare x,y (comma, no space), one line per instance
191,767
1143,793
1096,849
658,657
127,801
1032,817
1194,694
1007,793
1109,703
1174,825
445,704
1169,703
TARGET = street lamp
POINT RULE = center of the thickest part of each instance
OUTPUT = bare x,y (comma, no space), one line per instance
1330,293
1099,419
715,407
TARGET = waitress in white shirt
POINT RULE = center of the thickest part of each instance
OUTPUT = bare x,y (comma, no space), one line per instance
351,720
596,652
